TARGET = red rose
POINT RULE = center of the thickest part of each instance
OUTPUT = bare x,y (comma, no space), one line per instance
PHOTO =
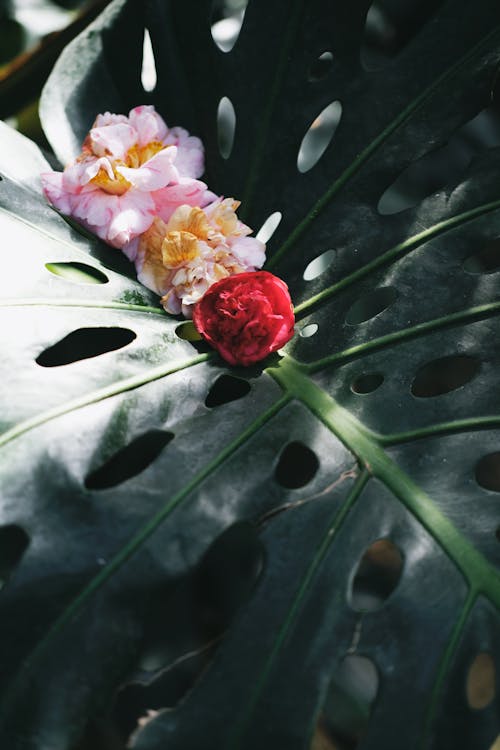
246,316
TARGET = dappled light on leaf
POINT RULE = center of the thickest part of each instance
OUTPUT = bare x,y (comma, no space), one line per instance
320,527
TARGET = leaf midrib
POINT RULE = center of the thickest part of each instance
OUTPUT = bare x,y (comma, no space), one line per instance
477,571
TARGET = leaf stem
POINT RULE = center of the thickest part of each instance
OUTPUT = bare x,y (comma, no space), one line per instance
332,528
444,667
399,250
132,546
127,384
480,575
364,156
443,428
64,302
472,314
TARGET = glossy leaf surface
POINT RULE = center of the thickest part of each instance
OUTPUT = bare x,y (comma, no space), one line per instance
341,506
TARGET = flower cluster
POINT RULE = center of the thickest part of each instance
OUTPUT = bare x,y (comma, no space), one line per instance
136,185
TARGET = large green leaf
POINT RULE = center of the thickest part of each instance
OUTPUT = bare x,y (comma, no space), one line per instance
154,529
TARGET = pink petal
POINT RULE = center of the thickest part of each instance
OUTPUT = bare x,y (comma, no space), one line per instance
154,174
135,215
190,153
107,118
52,184
186,191
114,140
148,124
250,251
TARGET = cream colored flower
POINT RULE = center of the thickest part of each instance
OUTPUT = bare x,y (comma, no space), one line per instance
182,258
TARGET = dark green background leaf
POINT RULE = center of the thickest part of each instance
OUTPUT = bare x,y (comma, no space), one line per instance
218,556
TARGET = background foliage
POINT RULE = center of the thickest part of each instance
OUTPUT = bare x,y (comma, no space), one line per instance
300,554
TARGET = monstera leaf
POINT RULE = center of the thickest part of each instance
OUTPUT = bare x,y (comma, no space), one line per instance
303,552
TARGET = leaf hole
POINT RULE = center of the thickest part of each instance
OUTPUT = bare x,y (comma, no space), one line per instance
442,165
309,330
321,67
376,577
79,273
225,389
318,136
187,331
148,70
129,461
13,543
480,684
227,20
348,703
186,626
380,37
227,575
84,344
486,260
297,465
488,472
444,375
226,125
269,226
319,265
371,304
367,383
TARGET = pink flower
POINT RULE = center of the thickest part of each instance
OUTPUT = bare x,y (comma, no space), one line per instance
182,258
246,317
130,169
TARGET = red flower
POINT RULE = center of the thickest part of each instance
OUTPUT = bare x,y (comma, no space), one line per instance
246,316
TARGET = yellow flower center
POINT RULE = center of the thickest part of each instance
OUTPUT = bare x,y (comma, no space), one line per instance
134,158
178,248
116,185
138,155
